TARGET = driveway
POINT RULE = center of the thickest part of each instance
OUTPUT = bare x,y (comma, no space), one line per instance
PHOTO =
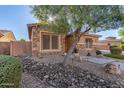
105,60
107,52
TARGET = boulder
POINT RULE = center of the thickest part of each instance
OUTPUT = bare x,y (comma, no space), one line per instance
64,54
112,69
77,57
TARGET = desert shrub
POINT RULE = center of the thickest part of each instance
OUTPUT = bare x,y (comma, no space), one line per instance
122,46
98,52
113,45
115,50
10,71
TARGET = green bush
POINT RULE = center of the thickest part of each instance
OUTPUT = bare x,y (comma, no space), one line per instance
10,71
113,45
122,46
116,50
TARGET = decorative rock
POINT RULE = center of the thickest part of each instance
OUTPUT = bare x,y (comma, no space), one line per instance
77,55
56,75
112,69
101,80
64,54
81,58
88,76
46,76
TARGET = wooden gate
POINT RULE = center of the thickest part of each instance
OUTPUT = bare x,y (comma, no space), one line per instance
5,48
18,48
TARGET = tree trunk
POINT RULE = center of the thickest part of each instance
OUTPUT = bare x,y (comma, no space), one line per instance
73,46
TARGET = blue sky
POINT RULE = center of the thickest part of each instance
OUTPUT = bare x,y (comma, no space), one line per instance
16,18
107,33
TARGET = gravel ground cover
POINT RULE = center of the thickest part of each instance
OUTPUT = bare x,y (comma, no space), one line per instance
37,73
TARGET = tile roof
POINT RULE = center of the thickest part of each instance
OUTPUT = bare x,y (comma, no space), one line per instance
4,31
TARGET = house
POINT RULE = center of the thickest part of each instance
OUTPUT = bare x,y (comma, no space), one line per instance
111,40
6,36
45,42
104,44
88,41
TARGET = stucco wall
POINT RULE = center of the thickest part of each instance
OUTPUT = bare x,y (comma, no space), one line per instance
82,43
82,39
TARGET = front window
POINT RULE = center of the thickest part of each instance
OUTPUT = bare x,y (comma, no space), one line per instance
54,42
46,41
50,42
89,43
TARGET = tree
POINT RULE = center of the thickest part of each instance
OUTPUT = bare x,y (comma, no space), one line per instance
22,40
121,33
67,19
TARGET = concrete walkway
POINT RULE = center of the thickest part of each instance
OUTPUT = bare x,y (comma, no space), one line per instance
105,60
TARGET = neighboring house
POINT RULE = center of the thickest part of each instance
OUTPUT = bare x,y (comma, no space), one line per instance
111,40
104,44
45,42
6,36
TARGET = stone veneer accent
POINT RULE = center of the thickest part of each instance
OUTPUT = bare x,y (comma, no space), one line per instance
35,38
36,43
